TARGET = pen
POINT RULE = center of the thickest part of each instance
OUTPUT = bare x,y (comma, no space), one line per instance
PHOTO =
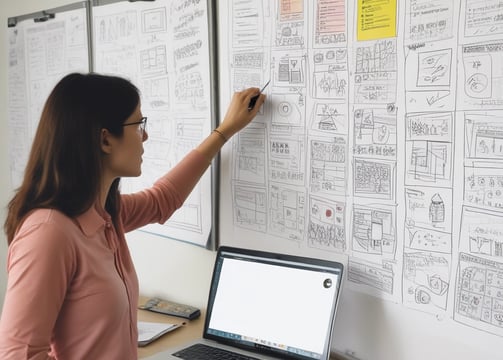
254,99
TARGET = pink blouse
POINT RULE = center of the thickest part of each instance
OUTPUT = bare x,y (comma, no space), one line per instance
72,290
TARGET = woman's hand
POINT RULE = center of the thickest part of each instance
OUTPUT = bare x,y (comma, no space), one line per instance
238,115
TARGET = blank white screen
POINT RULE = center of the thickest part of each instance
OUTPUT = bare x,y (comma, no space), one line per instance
281,305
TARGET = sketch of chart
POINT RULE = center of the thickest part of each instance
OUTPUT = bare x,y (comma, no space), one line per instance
479,289
374,230
290,69
326,225
426,281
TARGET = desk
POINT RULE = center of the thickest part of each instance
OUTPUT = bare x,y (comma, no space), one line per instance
192,330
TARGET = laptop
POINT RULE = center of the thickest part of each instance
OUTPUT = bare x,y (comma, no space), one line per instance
264,305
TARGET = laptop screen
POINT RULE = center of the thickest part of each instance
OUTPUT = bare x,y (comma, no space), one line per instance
274,303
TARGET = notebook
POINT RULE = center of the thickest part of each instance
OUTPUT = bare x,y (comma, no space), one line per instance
264,305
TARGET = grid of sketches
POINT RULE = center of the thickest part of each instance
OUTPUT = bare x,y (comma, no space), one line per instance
290,166
40,54
163,48
430,84
478,298
342,160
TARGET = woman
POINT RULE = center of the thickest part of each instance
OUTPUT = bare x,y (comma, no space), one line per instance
72,289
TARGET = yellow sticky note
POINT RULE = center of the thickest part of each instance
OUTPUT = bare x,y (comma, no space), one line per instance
376,19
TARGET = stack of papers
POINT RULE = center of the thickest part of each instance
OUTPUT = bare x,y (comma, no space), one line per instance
150,331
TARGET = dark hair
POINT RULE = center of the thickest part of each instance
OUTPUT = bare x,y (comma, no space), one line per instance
64,169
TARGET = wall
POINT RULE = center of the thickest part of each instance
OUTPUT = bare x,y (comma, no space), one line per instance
171,269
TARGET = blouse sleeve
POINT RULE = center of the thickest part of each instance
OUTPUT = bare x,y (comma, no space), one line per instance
41,263
157,204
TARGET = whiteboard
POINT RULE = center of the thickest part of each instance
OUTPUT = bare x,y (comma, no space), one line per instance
378,146
40,53
163,48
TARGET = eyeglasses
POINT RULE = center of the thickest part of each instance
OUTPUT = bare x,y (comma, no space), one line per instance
142,122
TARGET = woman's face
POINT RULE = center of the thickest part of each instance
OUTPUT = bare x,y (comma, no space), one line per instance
125,153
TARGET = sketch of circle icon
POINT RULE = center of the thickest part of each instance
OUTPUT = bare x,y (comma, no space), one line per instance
284,108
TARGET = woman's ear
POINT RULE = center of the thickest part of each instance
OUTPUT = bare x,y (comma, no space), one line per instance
105,142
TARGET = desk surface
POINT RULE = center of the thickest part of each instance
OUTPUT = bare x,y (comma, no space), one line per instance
193,329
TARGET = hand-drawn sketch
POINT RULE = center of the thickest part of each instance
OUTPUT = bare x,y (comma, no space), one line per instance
429,20
287,212
248,69
426,281
249,155
287,157
329,26
375,74
378,279
374,230
429,149
288,110
290,25
428,219
482,18
484,185
247,24
330,74
482,233
483,135
290,69
326,225
329,118
481,83
479,286
374,179
375,132
250,207
328,166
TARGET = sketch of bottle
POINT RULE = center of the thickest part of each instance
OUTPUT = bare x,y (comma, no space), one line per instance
437,209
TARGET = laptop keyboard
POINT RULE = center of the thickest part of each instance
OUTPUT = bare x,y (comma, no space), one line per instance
205,352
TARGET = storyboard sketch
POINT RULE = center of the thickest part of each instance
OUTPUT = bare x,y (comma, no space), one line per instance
162,47
40,54
379,143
